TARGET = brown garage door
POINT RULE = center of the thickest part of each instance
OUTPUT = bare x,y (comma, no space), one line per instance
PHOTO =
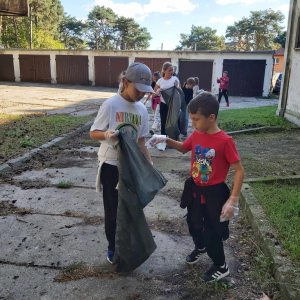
7,72
154,64
201,69
35,68
72,69
108,69
246,77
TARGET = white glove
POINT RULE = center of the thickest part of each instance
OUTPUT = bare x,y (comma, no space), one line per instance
111,137
230,209
158,141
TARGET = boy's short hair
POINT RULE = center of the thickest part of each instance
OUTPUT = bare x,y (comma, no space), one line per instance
226,72
206,103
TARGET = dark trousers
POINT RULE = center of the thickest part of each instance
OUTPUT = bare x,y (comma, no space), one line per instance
163,117
109,180
207,237
223,92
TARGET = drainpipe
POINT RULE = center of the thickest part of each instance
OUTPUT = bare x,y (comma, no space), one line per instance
287,72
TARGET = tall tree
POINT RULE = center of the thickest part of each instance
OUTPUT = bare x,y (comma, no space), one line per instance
257,32
129,33
47,16
71,33
281,39
101,22
201,38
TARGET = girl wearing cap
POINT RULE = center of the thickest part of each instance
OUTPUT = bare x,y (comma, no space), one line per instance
117,112
167,81
223,90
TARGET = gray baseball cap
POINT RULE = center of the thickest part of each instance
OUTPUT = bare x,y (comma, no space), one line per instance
140,75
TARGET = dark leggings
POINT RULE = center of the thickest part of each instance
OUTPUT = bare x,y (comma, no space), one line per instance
207,237
163,117
109,180
223,92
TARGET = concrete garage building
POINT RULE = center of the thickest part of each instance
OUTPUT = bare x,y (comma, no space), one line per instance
250,72
289,101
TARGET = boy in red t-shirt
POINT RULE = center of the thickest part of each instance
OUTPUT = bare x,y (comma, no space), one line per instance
206,196
223,90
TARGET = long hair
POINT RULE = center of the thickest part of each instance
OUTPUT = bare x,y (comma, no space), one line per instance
196,80
165,67
191,81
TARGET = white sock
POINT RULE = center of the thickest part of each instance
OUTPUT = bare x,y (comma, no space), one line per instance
223,265
201,249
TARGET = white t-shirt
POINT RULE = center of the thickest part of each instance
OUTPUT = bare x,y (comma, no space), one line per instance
117,113
166,84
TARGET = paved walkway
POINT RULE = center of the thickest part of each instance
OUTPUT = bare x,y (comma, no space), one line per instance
19,98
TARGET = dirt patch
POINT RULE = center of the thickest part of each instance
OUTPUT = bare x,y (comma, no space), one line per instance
79,271
8,208
173,193
174,226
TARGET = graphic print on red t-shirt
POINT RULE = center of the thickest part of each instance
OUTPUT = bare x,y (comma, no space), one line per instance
212,155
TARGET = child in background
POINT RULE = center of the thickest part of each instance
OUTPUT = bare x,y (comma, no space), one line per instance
206,196
123,110
196,90
223,90
155,102
187,89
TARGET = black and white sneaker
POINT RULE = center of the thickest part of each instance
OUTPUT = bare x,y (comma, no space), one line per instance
194,257
215,273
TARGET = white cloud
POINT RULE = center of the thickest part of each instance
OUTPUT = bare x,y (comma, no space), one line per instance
247,2
141,11
168,22
283,8
225,20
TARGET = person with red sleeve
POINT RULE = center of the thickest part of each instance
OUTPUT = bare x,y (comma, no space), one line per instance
223,90
208,200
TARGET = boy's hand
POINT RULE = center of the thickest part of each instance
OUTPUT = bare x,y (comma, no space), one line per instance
111,137
229,209
156,139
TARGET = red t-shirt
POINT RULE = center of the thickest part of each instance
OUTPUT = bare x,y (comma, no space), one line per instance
224,83
212,155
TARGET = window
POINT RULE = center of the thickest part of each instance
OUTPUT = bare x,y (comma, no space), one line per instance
277,60
298,35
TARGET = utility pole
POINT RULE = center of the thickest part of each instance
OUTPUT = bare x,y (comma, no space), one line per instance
30,11
162,46
195,46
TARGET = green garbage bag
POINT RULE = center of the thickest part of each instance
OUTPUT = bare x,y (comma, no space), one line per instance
139,182
173,101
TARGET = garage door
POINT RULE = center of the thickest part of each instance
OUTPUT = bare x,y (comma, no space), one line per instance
7,72
154,64
72,69
195,68
35,68
246,76
108,69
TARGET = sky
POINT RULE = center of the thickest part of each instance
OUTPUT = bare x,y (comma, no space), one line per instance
166,19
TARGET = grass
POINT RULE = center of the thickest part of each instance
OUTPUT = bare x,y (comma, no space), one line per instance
64,184
239,119
281,202
18,133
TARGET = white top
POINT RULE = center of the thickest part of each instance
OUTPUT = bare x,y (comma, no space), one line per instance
196,90
117,113
166,84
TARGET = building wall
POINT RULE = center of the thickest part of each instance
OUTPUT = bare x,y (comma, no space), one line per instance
175,56
292,111
279,67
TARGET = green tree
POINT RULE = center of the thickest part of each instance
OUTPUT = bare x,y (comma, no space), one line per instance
129,33
205,38
47,15
281,39
71,33
256,33
101,22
